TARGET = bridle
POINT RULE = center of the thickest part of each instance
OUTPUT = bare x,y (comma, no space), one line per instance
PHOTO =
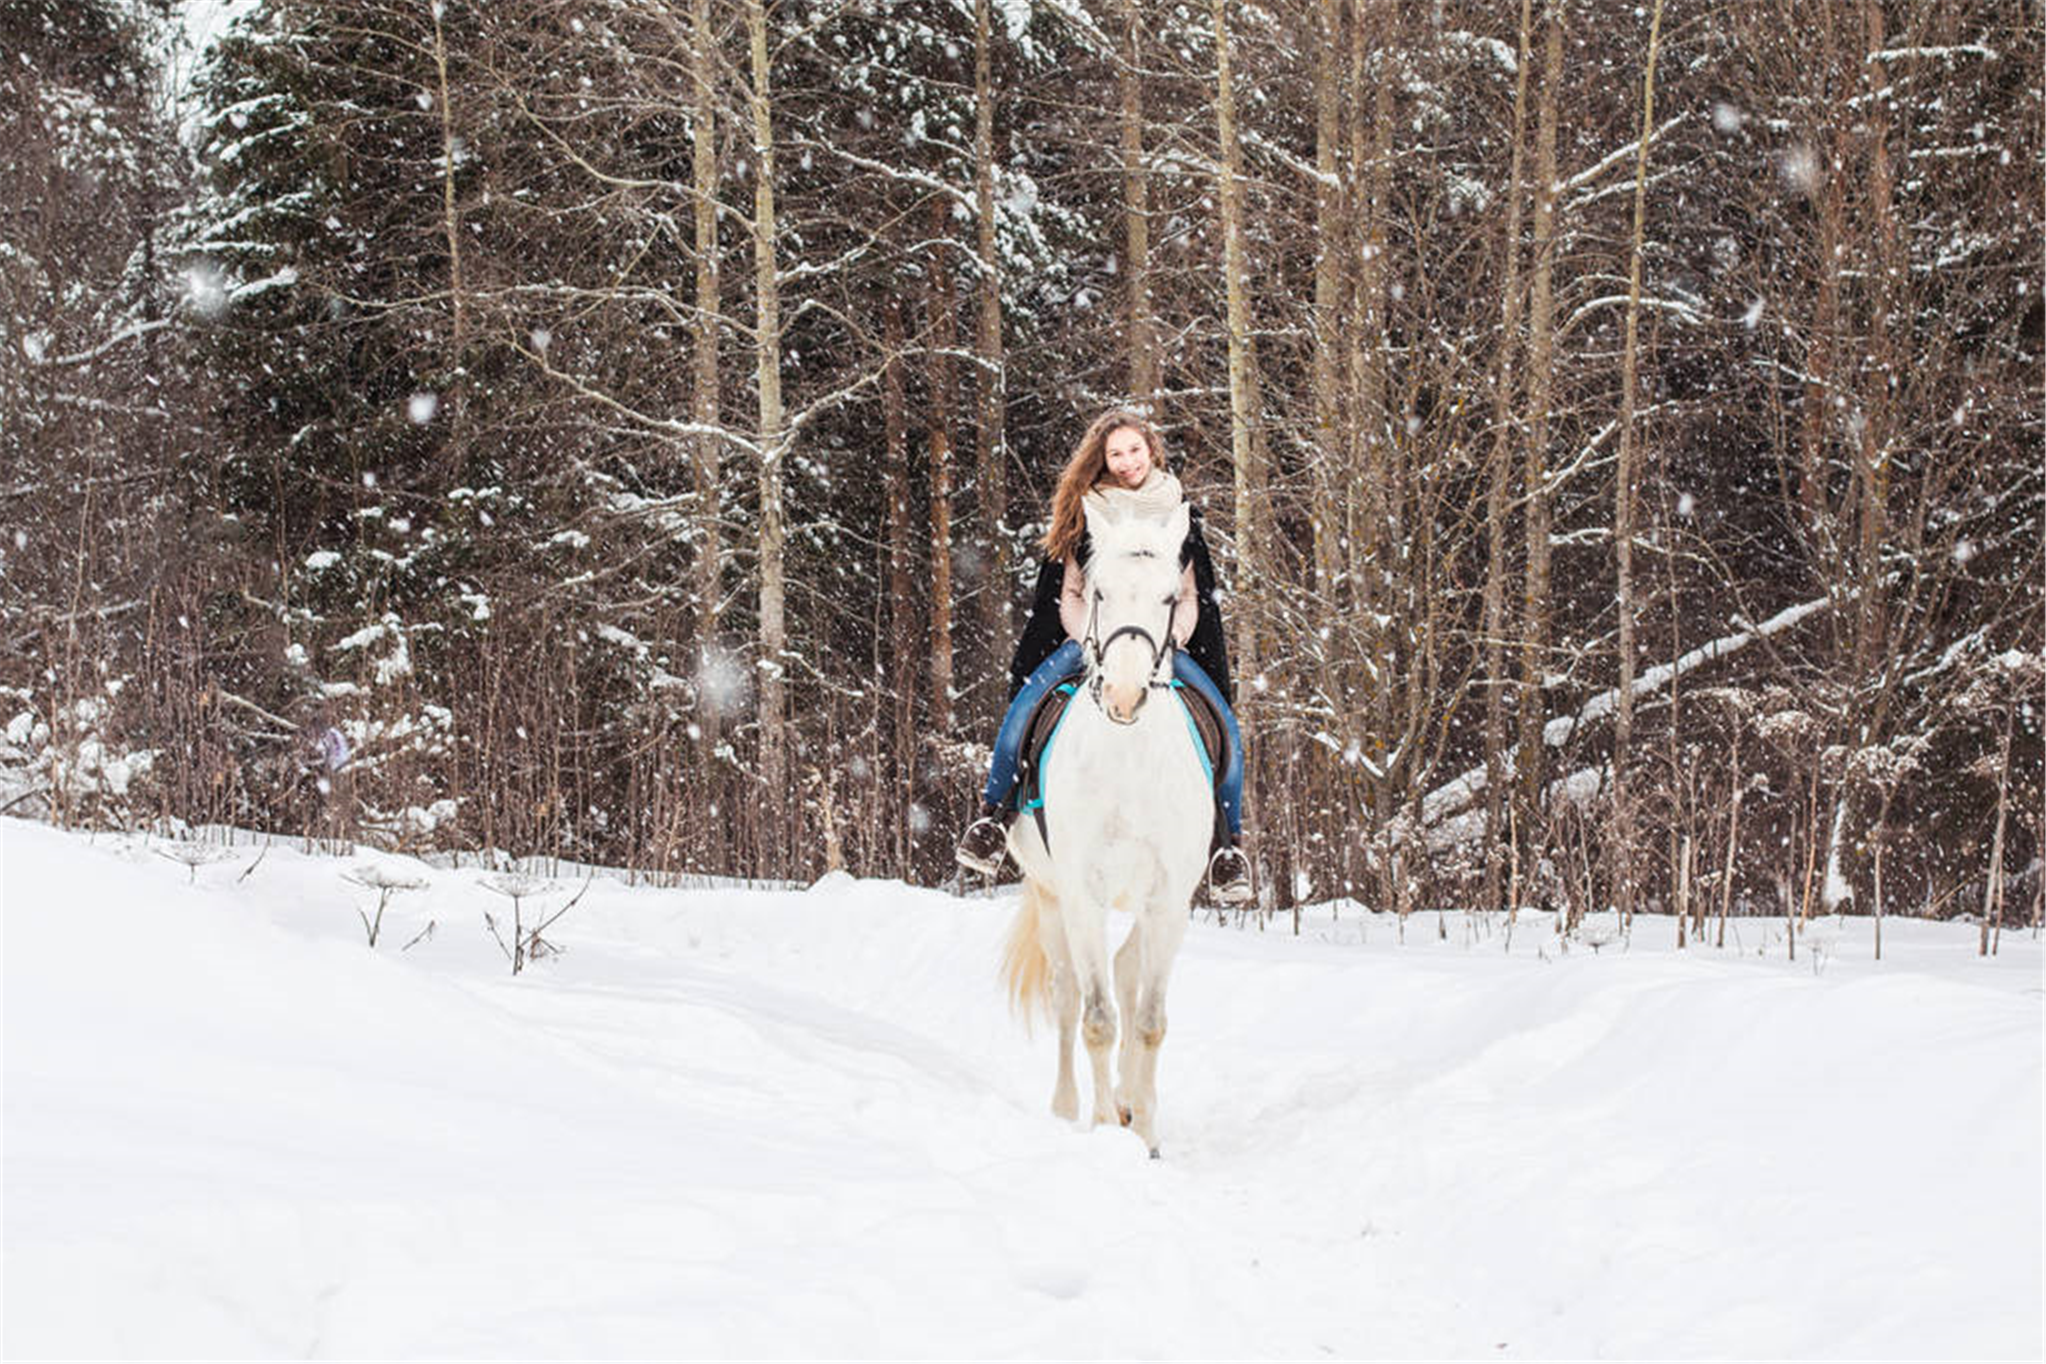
1092,648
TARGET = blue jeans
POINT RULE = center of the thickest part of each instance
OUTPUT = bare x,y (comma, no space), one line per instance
1066,659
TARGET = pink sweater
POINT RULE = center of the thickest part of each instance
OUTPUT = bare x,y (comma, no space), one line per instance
1073,605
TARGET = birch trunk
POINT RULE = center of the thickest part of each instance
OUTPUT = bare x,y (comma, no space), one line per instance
1541,387
939,300
1992,891
1623,515
1496,510
456,397
1366,505
706,449
773,629
451,221
1243,398
991,388
902,631
1332,232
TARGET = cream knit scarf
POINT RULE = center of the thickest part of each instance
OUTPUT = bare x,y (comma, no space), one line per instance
1153,499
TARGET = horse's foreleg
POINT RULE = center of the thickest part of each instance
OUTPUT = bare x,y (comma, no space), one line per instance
1128,959
1165,929
1085,943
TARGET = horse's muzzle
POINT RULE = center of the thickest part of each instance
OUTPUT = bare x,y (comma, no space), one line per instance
1122,705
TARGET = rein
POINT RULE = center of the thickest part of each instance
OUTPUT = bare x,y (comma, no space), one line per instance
1092,647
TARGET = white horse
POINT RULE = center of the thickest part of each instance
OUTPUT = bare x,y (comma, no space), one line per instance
1128,813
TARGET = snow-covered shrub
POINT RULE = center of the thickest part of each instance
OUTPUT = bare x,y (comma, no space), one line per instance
81,770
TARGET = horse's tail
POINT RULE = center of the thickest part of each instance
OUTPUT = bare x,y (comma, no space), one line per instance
1026,969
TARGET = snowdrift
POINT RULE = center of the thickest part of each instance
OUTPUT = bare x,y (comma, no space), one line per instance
730,1122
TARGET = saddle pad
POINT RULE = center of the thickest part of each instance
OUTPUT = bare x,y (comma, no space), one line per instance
1207,723
1044,722
1202,717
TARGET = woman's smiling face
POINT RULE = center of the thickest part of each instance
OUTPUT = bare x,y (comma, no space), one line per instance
1128,456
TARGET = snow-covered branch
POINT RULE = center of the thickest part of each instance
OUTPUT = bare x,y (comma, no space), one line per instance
1457,793
1614,158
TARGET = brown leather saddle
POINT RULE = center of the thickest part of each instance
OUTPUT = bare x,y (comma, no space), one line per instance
1200,713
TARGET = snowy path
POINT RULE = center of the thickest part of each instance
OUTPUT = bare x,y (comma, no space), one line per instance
748,1123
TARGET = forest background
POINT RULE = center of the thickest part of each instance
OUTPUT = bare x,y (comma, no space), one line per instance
618,429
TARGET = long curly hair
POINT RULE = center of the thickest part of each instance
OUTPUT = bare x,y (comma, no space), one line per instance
1087,467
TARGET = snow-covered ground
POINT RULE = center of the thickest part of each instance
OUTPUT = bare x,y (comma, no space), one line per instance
728,1122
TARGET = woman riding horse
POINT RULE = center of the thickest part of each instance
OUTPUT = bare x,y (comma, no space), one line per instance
1119,468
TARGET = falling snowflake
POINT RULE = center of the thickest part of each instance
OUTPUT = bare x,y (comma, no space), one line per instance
1727,118
722,680
205,290
1799,168
421,407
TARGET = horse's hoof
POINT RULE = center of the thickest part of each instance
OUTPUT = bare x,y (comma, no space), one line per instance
1157,1154
1125,1115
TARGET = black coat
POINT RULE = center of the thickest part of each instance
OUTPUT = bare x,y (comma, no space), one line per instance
1045,633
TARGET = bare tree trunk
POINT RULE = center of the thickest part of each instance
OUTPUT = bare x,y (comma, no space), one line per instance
902,633
1541,381
1623,516
939,300
1881,837
773,635
706,448
1243,397
1683,891
1136,198
454,400
2038,893
451,221
1872,454
1733,836
1871,422
992,385
1820,349
1242,385
1367,504
1496,510
1992,892
1331,235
